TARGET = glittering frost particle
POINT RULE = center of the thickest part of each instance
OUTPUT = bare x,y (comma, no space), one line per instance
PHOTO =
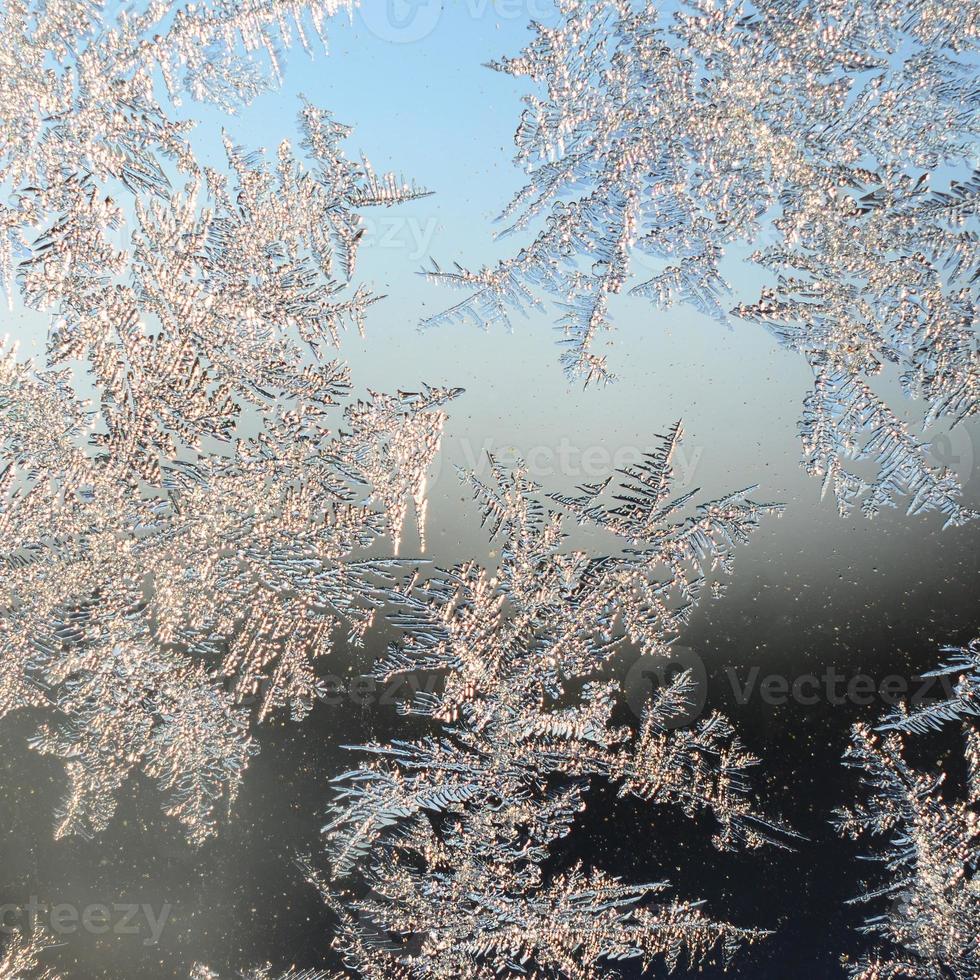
19,957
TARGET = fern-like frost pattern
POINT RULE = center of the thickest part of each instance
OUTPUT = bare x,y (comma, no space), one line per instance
188,488
836,138
927,834
436,846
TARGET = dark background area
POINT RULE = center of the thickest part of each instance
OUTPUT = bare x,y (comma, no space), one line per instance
877,599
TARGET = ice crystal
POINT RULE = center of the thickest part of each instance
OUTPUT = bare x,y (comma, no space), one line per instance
80,97
202,972
145,613
659,137
227,306
962,704
191,538
930,839
19,957
448,833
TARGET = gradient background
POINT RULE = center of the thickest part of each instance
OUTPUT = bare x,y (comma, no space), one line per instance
811,591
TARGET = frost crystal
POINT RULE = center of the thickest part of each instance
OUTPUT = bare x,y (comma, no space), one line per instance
931,832
123,590
449,833
80,102
202,972
811,132
19,958
189,540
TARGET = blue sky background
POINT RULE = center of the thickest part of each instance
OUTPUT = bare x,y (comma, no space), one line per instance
410,77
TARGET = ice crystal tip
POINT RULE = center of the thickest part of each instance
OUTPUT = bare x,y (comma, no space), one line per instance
21,957
926,838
